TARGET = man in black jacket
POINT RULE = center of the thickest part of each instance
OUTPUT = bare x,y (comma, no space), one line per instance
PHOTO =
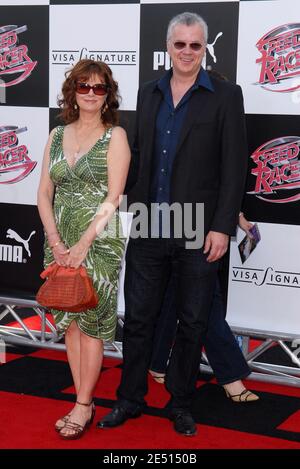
190,149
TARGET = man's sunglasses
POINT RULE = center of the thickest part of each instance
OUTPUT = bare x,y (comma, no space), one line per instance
100,89
195,46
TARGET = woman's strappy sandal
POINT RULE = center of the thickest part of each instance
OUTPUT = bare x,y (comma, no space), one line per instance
65,420
244,396
77,429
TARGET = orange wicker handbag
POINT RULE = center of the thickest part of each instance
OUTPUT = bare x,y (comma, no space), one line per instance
67,289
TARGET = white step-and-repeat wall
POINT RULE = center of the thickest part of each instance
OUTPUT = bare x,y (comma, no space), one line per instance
254,43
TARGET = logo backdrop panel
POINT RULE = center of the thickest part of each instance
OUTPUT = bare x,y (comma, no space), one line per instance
97,40
269,56
24,52
21,253
222,20
23,136
273,182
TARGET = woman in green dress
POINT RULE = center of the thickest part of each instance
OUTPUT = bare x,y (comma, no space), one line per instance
83,176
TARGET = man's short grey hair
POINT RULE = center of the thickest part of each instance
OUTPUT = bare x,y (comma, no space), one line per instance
187,19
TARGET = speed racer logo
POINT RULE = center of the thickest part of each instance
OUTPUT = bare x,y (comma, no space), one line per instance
280,58
15,163
277,170
15,63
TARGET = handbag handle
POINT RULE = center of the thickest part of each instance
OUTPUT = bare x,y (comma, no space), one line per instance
50,270
53,268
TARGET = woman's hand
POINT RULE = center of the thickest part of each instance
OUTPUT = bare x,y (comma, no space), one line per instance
77,254
60,253
245,225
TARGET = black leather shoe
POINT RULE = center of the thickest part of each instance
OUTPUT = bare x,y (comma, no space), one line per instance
184,423
116,417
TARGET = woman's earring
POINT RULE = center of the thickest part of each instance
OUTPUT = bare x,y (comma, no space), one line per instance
104,108
75,107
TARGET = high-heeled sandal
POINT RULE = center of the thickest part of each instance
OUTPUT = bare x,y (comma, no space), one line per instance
65,420
158,377
77,429
244,396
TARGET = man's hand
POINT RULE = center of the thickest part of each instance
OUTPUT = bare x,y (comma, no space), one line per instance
216,244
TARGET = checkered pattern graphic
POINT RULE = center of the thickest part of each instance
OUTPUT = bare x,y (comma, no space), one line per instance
50,393
40,40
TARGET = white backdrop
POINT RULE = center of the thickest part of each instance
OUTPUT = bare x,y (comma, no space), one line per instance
264,291
35,122
116,42
255,23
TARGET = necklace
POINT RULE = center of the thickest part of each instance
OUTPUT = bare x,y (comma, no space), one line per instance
79,146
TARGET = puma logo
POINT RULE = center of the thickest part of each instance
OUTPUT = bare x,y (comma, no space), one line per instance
211,47
13,235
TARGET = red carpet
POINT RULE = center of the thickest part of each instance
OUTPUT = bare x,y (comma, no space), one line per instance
34,429
35,389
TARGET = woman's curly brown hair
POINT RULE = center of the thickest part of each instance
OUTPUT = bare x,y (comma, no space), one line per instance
82,71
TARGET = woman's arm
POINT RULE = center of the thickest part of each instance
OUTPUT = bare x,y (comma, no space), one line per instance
245,225
118,160
44,202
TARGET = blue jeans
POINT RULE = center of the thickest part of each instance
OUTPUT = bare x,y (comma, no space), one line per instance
149,263
223,352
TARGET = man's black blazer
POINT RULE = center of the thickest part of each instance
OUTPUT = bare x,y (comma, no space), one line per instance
211,156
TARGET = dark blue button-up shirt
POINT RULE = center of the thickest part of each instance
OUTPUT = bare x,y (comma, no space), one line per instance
169,123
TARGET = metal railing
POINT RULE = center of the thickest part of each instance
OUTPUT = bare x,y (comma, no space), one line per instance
47,337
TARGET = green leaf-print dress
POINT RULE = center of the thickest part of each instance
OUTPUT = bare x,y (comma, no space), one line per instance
79,191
